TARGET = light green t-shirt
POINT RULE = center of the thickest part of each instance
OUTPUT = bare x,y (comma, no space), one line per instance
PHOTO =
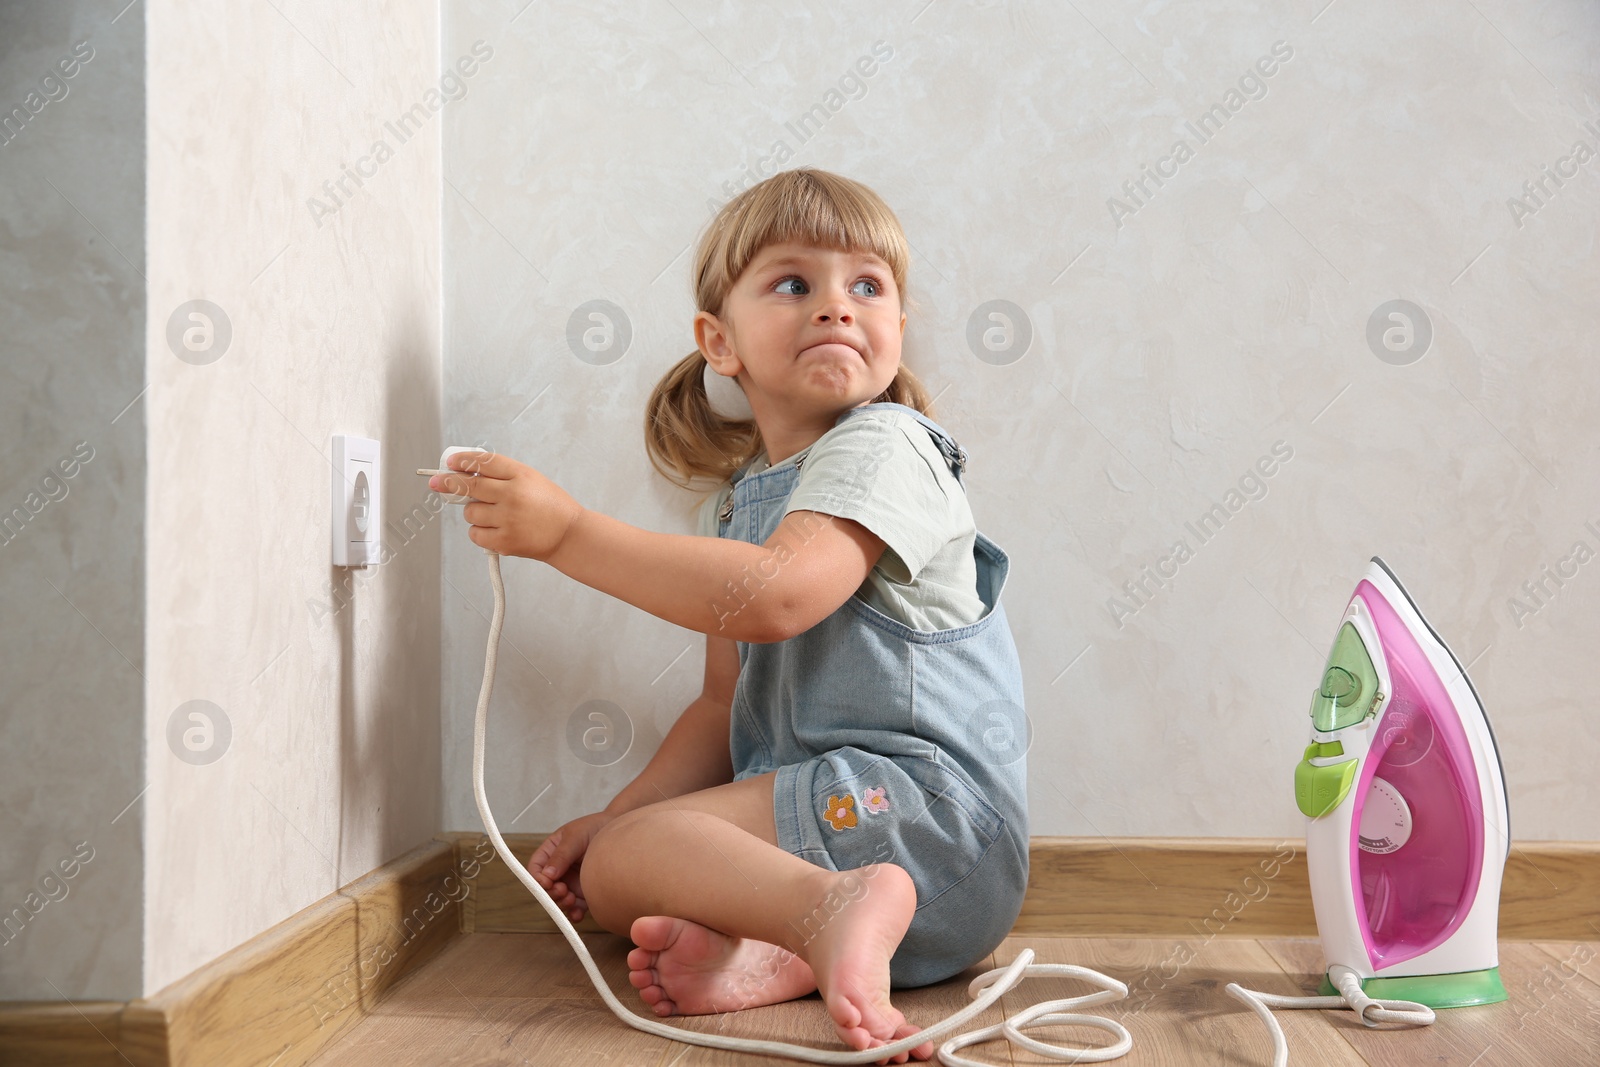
883,470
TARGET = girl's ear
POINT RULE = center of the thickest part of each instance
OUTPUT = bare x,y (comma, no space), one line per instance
712,338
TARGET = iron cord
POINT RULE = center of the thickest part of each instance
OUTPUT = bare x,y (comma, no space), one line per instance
985,989
1372,1012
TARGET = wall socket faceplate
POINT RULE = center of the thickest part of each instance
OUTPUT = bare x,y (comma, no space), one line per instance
357,514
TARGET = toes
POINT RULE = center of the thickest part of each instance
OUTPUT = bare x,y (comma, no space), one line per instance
855,1037
923,1051
643,978
897,1058
656,997
651,931
846,1015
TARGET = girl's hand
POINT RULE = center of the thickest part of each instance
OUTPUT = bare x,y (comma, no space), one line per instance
562,855
515,510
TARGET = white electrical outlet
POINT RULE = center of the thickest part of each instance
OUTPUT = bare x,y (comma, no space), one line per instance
357,515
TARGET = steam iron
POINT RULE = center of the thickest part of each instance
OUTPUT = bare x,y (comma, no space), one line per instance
1407,827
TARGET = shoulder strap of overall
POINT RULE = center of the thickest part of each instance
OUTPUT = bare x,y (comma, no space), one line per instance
954,454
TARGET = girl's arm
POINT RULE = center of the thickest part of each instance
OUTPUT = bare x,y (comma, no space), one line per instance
718,586
694,755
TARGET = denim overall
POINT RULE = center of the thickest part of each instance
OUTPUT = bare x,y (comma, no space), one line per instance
893,744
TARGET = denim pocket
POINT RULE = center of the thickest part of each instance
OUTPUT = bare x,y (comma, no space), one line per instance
967,923
905,810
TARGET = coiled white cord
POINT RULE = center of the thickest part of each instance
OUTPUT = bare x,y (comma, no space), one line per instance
986,988
1351,996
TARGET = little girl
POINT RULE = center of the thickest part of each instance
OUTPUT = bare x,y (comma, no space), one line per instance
844,808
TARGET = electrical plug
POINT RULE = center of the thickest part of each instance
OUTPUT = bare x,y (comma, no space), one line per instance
444,468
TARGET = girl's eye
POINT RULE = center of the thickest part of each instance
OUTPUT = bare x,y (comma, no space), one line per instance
877,288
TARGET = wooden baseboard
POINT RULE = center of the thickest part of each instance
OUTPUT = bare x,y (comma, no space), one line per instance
85,1033
282,996
1203,887
1159,887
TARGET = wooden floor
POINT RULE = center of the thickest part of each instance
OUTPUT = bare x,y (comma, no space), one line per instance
508,999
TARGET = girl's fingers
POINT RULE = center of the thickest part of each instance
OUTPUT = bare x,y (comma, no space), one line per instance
484,464
538,866
466,485
477,513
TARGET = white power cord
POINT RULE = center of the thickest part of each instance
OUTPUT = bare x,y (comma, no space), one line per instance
1351,996
986,988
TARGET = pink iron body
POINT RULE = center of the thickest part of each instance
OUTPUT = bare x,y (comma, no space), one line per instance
1407,827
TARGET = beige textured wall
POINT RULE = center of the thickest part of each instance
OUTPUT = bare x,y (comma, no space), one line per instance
1177,338
72,531
331,698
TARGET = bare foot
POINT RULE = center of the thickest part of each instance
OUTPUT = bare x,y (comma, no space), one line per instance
685,968
850,937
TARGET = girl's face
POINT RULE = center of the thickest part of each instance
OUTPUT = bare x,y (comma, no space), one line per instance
809,332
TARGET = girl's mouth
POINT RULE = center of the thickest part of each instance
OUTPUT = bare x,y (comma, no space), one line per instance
831,348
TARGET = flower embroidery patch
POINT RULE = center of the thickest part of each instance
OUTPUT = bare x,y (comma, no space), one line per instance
875,800
839,812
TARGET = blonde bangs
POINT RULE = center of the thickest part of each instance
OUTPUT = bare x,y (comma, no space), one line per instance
804,206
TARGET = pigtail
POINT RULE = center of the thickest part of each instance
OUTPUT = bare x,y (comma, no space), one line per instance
685,439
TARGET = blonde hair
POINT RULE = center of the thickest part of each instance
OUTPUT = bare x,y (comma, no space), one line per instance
683,437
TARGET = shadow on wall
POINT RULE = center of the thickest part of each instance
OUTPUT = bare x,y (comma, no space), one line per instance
390,769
